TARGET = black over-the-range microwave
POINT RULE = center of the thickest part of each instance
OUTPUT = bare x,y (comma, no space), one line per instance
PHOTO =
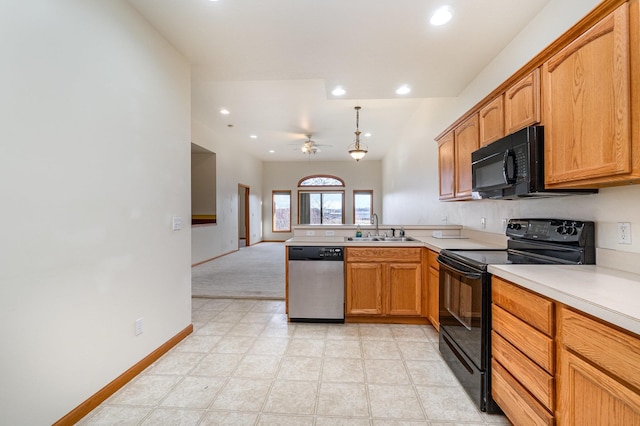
513,167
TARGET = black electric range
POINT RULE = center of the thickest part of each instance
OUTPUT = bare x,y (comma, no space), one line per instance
465,292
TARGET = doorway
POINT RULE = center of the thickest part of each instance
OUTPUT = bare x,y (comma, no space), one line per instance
244,224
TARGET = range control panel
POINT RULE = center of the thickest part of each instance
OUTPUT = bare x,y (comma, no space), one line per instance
556,230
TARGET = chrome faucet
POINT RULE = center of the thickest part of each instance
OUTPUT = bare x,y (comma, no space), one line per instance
374,220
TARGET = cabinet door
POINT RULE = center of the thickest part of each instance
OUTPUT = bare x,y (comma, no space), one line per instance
492,121
364,288
434,301
467,140
590,396
404,291
433,313
446,166
587,106
522,103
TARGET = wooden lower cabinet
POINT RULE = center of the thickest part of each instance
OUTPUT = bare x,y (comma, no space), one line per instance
599,372
523,354
552,364
364,288
433,311
384,282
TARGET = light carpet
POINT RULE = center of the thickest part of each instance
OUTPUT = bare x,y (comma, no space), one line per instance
254,272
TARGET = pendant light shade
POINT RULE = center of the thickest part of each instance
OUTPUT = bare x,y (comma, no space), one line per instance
357,150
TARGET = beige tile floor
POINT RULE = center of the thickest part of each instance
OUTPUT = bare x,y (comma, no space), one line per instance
246,365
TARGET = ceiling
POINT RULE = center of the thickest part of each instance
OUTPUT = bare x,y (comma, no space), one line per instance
273,64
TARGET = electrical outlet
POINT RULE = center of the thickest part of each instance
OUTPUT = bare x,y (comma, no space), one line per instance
504,222
483,222
329,233
445,219
139,326
624,233
310,233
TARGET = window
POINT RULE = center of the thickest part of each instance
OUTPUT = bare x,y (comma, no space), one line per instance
321,180
281,221
321,207
362,207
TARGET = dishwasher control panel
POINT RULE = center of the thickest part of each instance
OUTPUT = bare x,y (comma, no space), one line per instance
316,253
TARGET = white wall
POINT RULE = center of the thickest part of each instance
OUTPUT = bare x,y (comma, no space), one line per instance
365,174
233,167
410,171
95,131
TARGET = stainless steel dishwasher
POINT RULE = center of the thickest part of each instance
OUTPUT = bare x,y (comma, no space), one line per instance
316,284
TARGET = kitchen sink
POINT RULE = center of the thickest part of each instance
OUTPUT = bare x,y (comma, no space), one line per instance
380,239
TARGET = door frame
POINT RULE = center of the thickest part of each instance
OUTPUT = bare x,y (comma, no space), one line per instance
247,216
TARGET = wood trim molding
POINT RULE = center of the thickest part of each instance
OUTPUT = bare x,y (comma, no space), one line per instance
213,258
598,13
96,399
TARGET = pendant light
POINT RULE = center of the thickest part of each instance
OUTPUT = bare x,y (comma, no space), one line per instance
357,150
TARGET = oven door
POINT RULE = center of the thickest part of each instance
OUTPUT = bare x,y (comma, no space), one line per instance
493,171
464,303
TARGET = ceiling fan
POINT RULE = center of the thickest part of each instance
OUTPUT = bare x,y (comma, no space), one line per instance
310,147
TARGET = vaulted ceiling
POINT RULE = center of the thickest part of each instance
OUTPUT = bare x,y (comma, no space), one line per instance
273,64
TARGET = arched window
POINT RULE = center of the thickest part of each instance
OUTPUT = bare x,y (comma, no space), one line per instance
321,180
320,206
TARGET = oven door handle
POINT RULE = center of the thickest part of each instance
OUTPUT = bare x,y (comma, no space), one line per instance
469,274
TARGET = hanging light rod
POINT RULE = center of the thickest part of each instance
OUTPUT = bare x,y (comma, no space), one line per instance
357,150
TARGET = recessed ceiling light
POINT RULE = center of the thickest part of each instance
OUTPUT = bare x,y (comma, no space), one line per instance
338,91
403,90
271,151
224,111
367,135
253,137
441,16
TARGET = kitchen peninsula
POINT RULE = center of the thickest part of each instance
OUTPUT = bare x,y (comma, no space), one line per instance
391,280
584,318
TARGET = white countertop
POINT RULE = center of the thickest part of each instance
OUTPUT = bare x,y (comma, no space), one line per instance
609,294
431,243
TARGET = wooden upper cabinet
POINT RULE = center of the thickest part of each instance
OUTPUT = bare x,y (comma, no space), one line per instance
467,140
522,103
446,166
587,107
492,121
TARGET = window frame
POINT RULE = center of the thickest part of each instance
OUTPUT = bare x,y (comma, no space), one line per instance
273,209
319,191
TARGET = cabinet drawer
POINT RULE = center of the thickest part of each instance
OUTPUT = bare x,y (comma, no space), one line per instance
612,350
433,262
528,373
519,406
529,307
527,339
383,254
